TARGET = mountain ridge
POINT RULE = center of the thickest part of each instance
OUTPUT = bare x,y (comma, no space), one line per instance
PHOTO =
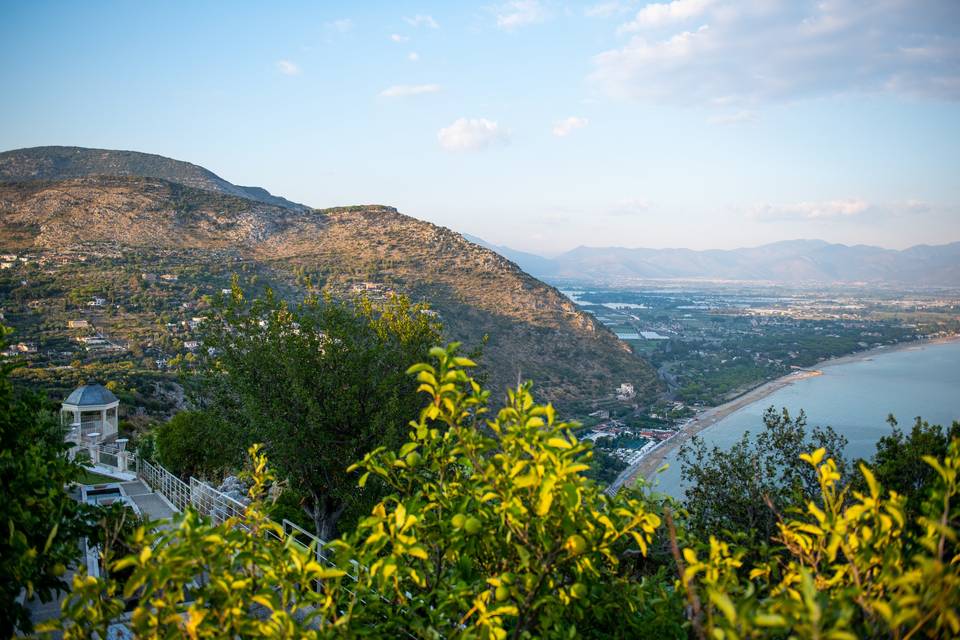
125,227
60,162
801,261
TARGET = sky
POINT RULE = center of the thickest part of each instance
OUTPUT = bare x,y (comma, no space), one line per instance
538,124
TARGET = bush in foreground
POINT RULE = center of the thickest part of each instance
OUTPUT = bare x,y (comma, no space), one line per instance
490,530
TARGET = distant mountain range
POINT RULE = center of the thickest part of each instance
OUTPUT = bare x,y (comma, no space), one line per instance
97,220
794,262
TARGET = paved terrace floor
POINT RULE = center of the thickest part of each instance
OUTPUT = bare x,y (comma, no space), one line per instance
151,505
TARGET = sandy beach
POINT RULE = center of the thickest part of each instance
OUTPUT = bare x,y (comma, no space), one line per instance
652,461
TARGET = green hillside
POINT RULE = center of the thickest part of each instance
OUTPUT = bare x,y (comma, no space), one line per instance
154,252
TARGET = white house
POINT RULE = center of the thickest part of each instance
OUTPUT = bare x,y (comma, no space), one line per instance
626,391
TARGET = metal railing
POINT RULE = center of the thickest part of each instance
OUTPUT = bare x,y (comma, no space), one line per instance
175,490
212,503
218,506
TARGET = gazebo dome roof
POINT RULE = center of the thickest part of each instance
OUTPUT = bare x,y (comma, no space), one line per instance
91,395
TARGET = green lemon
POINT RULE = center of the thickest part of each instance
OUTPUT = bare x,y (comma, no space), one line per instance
578,590
576,544
413,459
472,526
458,521
502,593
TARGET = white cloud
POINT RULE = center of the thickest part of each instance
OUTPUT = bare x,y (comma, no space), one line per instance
737,117
413,56
918,206
606,9
628,207
658,14
404,90
288,68
695,52
845,208
422,21
340,26
566,126
471,134
396,37
519,13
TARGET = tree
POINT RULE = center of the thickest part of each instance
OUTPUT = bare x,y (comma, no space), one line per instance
853,567
491,529
199,443
40,523
899,464
319,383
741,489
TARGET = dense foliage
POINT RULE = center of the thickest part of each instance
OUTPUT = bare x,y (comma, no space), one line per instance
319,384
741,490
488,529
851,568
40,522
900,459
199,443
492,530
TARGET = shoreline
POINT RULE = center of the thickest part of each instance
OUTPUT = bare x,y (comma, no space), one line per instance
646,466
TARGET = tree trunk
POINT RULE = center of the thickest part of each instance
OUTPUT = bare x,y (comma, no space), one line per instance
325,514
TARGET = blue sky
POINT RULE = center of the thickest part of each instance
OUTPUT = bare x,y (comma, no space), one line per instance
542,125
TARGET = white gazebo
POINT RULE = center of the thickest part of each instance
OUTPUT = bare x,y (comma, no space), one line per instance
90,414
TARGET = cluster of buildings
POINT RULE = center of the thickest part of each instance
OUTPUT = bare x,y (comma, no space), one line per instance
626,392
10,260
20,348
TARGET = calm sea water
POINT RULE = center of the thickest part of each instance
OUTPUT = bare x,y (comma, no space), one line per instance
855,399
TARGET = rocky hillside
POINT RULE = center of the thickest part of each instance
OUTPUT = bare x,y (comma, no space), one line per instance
124,229
59,163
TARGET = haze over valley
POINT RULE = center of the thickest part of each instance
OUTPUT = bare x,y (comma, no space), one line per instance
793,262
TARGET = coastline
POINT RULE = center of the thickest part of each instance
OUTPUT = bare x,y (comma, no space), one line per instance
646,466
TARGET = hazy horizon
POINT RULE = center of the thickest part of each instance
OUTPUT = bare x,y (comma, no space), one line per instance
535,125
552,254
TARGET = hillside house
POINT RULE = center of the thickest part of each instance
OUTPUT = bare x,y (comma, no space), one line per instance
169,277
77,324
20,348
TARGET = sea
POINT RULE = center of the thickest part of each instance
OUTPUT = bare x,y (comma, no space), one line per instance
854,397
